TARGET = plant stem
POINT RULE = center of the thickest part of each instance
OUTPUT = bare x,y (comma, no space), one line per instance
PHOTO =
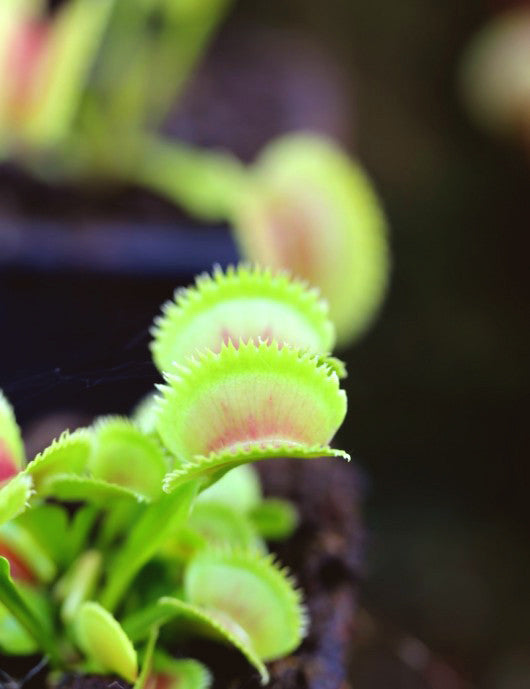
153,527
17,606
207,184
148,659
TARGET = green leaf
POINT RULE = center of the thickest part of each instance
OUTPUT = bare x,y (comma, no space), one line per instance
239,488
79,583
125,456
14,497
79,531
147,663
11,446
151,530
66,455
195,621
252,591
313,211
204,182
102,639
28,618
243,304
14,638
259,402
60,537
274,519
49,527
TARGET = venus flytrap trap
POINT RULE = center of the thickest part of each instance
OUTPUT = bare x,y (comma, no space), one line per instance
246,304
313,211
262,402
45,62
169,540
303,206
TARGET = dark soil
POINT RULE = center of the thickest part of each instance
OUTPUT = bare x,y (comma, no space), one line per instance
92,682
326,556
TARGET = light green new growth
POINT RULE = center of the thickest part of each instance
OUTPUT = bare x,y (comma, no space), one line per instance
256,399
104,642
311,210
243,304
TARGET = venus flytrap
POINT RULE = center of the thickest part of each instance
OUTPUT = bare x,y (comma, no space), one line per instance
104,642
243,599
146,463
262,402
170,541
247,304
58,100
303,206
45,63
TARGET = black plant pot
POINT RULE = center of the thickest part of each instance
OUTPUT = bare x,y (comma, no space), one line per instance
81,278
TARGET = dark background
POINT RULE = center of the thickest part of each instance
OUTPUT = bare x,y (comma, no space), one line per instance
437,389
